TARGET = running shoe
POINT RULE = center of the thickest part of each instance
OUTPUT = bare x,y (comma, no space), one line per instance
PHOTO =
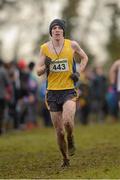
66,163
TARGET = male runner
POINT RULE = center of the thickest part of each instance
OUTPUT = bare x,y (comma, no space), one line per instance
57,59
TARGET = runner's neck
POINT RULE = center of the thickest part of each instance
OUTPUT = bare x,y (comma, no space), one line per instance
58,47
58,43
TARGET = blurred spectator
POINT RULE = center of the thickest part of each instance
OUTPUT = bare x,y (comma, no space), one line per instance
43,109
98,89
15,84
112,103
4,93
83,104
114,78
32,98
24,77
22,106
11,117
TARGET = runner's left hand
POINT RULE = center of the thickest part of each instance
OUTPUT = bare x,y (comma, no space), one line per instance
75,76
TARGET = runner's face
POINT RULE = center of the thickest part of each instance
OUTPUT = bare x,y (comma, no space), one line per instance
57,32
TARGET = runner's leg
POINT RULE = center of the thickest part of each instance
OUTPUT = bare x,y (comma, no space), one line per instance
59,127
69,109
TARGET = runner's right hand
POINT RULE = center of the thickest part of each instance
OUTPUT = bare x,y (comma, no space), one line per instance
47,63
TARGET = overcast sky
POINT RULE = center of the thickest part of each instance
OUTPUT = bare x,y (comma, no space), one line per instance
23,24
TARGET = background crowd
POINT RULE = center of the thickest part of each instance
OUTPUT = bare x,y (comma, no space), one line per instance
22,97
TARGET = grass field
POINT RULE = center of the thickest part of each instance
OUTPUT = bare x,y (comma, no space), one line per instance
34,154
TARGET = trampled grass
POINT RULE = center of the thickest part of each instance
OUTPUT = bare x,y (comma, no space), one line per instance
34,154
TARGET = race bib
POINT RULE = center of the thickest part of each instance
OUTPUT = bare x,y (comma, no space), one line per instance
59,65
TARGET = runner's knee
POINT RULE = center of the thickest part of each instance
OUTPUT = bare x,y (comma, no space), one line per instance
60,132
68,125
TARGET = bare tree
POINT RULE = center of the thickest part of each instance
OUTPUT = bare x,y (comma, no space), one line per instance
113,45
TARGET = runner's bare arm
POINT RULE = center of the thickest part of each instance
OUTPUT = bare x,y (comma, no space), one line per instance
83,58
40,66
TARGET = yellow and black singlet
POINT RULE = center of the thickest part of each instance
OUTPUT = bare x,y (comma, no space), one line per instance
61,68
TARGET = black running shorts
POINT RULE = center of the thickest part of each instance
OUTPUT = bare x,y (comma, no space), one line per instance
56,98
